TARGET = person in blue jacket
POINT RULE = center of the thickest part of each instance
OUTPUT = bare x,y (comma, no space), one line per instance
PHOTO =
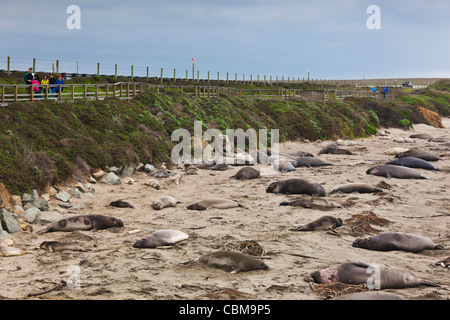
385,91
59,81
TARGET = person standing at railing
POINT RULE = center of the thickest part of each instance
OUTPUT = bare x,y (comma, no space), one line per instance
60,81
51,81
45,81
36,89
28,78
385,92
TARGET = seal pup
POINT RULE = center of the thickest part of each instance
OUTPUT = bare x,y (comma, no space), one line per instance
285,167
412,162
297,186
309,162
164,202
153,183
231,261
386,277
394,151
421,136
61,246
356,187
390,241
161,173
328,150
390,171
83,223
417,153
122,204
247,173
214,203
316,203
7,251
323,223
219,167
161,238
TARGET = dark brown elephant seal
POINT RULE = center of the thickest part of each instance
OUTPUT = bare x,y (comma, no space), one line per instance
61,246
231,261
297,186
214,203
391,171
334,150
375,276
356,187
84,223
421,136
417,153
247,173
412,162
161,238
122,204
390,241
323,223
309,162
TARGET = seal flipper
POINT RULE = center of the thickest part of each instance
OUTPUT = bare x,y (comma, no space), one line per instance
48,229
429,283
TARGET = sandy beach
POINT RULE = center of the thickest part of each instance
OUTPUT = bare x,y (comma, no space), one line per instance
114,270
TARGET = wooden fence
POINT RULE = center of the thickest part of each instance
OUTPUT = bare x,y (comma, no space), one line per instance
128,90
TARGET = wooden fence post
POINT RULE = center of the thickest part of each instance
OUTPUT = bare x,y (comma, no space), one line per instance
132,73
98,69
115,72
34,65
16,92
96,92
8,67
162,75
73,93
3,94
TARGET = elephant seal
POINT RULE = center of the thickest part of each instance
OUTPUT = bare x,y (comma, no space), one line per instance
153,183
300,154
84,223
286,167
390,241
297,186
122,204
412,162
376,276
214,203
231,260
219,167
309,162
356,187
61,246
7,251
421,136
164,202
390,171
161,238
316,203
247,173
161,173
370,295
328,150
417,153
323,223
394,151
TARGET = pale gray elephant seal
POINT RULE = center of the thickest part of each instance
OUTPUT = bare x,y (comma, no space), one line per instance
370,295
309,162
164,202
247,173
84,223
390,241
297,186
315,203
390,171
214,203
323,223
417,153
356,187
61,246
161,238
7,251
376,276
412,162
231,261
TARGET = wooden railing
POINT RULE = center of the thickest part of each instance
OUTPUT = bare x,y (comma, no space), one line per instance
128,90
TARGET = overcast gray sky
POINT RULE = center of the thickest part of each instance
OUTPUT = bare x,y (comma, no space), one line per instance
281,38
